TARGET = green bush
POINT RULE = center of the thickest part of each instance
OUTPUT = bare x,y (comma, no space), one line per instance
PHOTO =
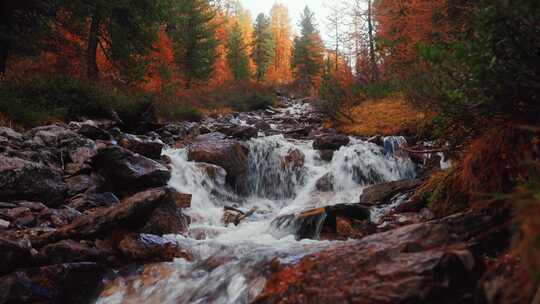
39,100
178,111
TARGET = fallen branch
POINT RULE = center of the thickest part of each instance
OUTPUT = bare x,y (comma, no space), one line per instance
430,151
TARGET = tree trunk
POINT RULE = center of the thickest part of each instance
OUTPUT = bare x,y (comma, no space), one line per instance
6,13
92,70
374,68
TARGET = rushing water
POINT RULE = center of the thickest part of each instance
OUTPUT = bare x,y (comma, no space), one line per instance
231,263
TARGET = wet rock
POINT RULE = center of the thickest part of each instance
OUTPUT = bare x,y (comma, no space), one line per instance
10,134
229,154
25,180
172,133
168,217
83,183
239,132
128,171
4,224
63,283
80,152
93,200
50,136
325,183
330,142
262,125
383,193
142,145
70,251
92,131
294,160
326,155
57,217
151,248
14,254
216,173
210,137
131,214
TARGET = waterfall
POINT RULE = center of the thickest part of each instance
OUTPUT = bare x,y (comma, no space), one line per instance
229,261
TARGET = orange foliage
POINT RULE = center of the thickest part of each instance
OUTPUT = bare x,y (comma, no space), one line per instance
405,24
280,70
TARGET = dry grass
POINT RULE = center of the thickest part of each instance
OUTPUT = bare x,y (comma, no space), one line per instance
387,116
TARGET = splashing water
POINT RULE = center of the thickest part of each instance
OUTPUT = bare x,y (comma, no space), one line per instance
231,263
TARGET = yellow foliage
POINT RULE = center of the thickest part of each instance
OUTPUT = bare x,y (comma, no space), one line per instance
387,116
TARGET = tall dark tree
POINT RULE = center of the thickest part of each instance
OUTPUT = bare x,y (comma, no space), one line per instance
124,30
23,25
193,35
237,56
263,46
308,51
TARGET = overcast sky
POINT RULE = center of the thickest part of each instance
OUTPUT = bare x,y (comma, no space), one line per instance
319,7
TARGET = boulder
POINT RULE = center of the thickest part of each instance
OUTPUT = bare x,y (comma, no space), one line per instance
83,183
239,132
25,180
62,283
231,155
50,136
142,145
381,194
326,155
168,218
14,254
432,262
330,142
127,171
92,131
91,200
213,136
325,183
151,248
131,214
69,251
294,160
215,173
10,134
57,217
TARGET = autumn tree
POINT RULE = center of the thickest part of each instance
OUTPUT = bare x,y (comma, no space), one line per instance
264,46
237,55
194,41
308,52
280,24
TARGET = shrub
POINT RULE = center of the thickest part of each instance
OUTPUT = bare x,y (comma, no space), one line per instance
39,100
175,111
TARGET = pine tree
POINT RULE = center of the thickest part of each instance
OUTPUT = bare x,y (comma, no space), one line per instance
264,46
237,56
123,30
193,35
308,52
23,24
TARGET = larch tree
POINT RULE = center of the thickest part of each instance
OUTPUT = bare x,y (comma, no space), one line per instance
193,36
308,53
280,24
237,55
263,46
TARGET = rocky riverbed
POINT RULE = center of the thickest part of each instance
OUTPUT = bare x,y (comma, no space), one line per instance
263,207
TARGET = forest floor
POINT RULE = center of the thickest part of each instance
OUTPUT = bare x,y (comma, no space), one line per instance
385,116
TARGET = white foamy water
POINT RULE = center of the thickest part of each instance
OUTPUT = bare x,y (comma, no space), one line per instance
231,263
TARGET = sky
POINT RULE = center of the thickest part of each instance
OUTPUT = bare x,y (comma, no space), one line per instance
319,7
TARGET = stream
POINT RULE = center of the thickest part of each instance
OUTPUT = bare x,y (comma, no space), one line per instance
231,264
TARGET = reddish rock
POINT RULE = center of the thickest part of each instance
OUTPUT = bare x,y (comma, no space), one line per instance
91,200
70,251
294,160
326,155
383,193
330,142
128,171
142,145
229,154
63,283
168,217
131,214
92,131
325,183
151,248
